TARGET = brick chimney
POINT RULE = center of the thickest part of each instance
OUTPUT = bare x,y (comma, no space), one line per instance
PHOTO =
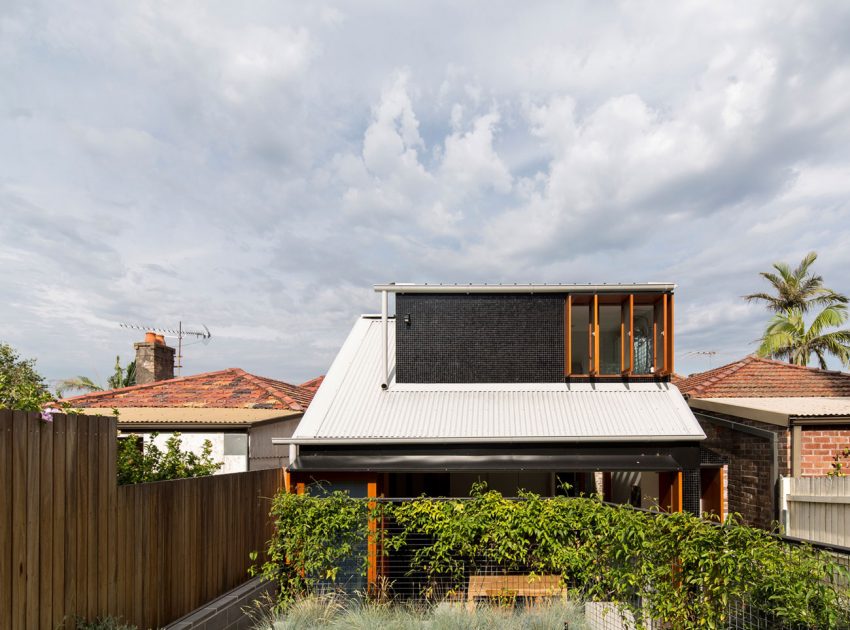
154,360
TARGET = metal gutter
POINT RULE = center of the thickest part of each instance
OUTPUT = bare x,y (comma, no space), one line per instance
648,287
283,441
835,419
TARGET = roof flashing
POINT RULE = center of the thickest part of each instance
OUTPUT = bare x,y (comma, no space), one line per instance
648,287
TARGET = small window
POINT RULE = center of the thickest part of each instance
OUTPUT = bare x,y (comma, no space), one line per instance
235,444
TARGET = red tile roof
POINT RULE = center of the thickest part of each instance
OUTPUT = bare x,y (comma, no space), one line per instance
313,384
231,388
754,377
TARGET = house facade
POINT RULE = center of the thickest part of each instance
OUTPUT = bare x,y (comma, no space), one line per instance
767,419
523,387
236,411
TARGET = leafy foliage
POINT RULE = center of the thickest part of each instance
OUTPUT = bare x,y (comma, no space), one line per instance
788,338
798,289
684,570
21,387
837,466
150,463
313,537
121,377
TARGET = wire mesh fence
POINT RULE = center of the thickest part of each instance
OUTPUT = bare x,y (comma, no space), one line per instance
402,570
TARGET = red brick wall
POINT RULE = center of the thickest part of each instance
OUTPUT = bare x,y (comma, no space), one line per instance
819,445
749,458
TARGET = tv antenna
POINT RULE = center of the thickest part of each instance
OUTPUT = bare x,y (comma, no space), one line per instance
703,353
203,335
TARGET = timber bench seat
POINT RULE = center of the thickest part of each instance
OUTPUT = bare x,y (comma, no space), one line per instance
537,586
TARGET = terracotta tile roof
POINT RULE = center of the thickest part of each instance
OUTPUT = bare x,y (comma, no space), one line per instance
313,384
754,377
231,388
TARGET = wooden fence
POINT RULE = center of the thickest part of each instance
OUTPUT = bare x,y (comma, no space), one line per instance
74,543
817,508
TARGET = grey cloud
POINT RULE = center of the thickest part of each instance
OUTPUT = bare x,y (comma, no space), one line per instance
211,162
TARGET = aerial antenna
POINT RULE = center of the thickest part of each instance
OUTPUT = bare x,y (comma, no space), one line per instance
204,335
703,353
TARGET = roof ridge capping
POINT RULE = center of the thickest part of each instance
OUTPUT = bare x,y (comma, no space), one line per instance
797,367
257,380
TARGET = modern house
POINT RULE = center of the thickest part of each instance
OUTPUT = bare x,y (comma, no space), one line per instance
765,419
521,386
236,411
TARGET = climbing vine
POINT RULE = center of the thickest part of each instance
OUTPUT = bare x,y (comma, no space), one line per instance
674,568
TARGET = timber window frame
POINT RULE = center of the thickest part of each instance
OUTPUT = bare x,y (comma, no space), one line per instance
580,350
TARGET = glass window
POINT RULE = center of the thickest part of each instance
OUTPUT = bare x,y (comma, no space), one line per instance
609,338
580,348
644,334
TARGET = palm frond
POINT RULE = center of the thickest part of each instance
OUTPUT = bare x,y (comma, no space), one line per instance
830,317
804,265
772,302
78,383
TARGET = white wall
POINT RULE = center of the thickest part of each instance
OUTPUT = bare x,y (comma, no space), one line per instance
194,442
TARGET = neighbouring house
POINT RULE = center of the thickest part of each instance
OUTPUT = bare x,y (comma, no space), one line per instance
764,419
313,384
520,386
238,412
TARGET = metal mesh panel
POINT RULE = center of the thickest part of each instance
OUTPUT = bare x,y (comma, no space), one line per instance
401,577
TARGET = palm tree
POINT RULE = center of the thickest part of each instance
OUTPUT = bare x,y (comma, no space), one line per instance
788,338
796,289
120,378
77,383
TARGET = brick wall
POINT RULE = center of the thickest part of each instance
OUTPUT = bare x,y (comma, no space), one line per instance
819,444
480,338
748,474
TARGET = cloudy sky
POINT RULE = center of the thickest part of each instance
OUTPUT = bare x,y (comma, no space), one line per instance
257,166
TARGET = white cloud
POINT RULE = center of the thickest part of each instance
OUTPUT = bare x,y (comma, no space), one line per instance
257,166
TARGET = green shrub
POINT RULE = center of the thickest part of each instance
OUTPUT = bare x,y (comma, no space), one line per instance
151,463
684,570
313,537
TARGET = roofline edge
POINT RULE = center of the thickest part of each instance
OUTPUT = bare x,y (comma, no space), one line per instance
648,287
486,440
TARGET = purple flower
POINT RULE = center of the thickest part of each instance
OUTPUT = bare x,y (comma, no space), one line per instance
47,414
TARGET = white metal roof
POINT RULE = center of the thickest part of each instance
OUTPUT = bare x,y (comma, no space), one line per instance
350,406
794,406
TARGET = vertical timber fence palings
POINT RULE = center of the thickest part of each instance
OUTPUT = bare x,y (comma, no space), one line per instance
75,544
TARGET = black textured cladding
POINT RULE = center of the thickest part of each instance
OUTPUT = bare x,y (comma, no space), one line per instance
479,338
691,491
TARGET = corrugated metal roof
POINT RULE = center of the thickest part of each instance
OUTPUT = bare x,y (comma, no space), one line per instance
351,405
797,407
